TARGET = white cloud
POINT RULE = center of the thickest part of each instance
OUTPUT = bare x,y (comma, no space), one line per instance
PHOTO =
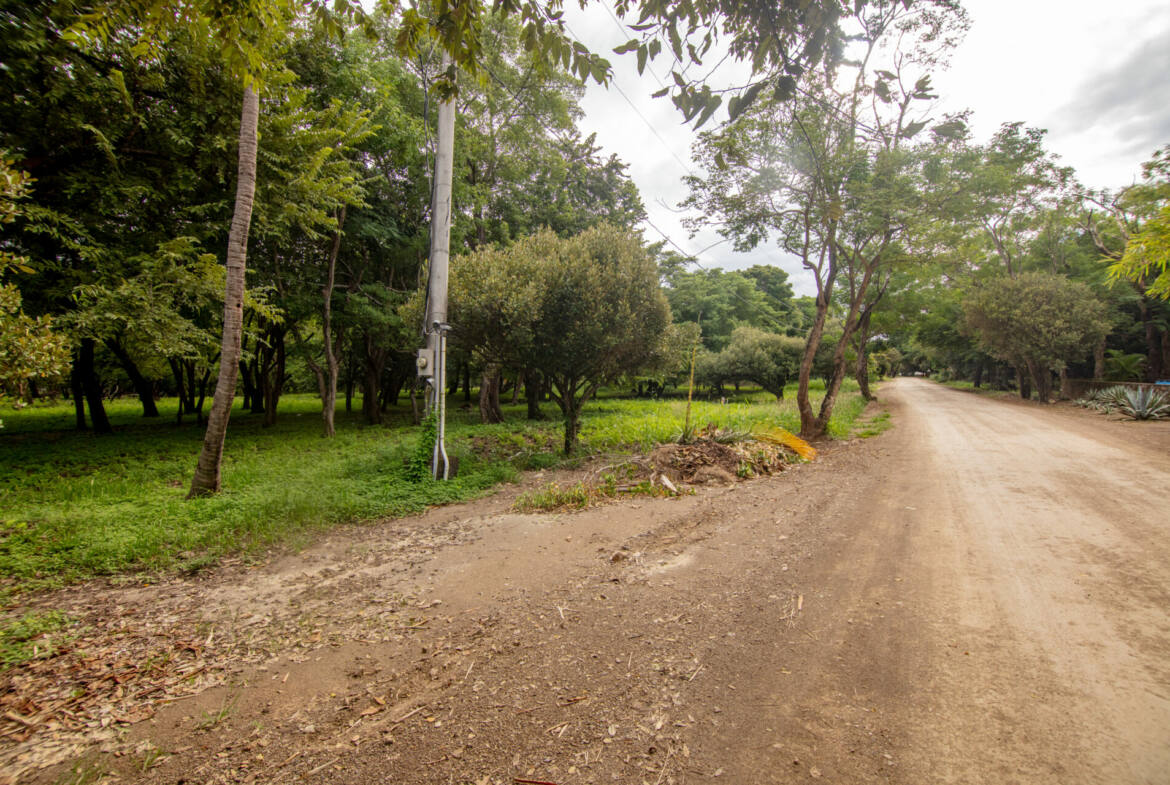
1038,61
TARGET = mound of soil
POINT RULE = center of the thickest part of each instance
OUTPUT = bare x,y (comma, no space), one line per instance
707,460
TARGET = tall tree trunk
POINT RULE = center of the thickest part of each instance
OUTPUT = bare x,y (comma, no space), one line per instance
489,395
250,387
978,380
274,385
203,382
1025,382
810,427
374,359
177,371
371,410
808,418
861,367
258,403
1153,341
77,390
1165,353
192,386
453,383
1042,379
92,387
467,381
207,471
142,386
329,387
1099,359
572,425
532,390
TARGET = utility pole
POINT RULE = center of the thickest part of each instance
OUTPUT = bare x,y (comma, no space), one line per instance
432,360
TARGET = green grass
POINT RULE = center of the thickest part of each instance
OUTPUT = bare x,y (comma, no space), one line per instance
878,424
30,636
75,505
967,386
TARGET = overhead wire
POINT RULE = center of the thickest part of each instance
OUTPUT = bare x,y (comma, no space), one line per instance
666,146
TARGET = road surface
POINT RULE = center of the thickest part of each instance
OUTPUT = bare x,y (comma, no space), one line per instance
979,595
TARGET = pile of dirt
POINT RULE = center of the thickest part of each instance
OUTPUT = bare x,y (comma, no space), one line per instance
707,460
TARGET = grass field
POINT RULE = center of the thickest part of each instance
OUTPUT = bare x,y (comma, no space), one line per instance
74,505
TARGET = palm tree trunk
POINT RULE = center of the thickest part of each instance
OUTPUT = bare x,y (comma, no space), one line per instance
207,471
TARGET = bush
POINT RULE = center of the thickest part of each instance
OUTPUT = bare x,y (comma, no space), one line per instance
1144,403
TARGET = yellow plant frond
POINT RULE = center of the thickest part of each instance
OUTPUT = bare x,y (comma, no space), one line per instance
789,440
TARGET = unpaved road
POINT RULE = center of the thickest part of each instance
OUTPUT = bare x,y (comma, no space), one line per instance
979,595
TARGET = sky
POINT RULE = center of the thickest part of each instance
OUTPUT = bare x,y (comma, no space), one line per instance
1096,75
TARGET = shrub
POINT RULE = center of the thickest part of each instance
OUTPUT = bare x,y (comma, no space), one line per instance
1144,403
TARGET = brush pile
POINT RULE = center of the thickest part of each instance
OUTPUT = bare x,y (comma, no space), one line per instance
717,455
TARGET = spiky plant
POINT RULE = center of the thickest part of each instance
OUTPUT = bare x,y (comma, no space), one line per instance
1110,398
1145,403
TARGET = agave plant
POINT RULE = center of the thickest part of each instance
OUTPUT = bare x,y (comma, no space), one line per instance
1110,398
1145,403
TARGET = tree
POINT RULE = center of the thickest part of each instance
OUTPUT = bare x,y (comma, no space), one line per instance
720,301
781,41
1146,258
1037,322
754,355
1001,190
583,311
601,315
29,347
834,174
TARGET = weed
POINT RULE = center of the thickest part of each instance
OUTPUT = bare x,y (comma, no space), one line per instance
878,424
420,467
211,719
82,773
77,505
553,496
151,757
28,637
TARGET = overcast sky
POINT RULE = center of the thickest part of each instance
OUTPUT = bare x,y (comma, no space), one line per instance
1096,75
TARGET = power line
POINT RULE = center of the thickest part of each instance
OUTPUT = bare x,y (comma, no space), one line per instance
686,167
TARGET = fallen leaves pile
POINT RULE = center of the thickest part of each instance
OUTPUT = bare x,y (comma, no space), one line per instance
116,665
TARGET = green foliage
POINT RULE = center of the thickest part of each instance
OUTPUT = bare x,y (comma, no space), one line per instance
553,496
1146,258
721,301
1144,403
1038,322
29,347
753,355
77,506
29,636
420,467
1123,367
584,311
779,41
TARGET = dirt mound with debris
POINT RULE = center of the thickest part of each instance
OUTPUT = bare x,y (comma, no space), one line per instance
708,460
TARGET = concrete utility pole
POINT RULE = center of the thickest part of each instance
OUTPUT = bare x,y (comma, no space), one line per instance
432,361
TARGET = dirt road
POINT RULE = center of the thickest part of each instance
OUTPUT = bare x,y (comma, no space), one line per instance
979,595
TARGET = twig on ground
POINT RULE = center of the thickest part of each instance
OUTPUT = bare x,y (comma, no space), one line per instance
322,767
